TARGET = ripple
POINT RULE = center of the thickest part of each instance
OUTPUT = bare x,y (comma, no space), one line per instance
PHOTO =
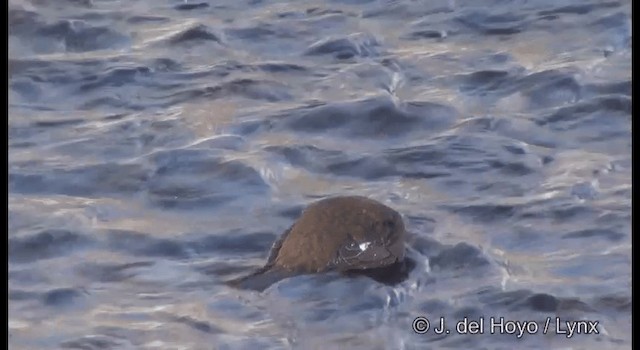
460,256
46,244
426,34
460,152
260,90
579,110
87,181
356,45
256,32
141,19
234,242
614,301
493,24
228,142
62,296
201,326
157,149
542,302
66,35
488,212
595,233
282,67
579,9
191,6
335,162
193,178
114,77
378,117
138,243
487,80
252,89
194,35
526,299
110,273
95,342
616,88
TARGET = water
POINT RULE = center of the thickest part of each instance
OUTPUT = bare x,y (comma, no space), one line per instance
158,148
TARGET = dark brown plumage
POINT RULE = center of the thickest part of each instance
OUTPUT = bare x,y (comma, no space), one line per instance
347,234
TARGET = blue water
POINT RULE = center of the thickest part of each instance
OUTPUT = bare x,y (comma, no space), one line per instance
158,148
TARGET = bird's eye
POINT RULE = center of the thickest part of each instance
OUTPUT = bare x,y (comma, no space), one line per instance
389,223
352,246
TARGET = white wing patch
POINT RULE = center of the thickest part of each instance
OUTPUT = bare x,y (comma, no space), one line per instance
364,246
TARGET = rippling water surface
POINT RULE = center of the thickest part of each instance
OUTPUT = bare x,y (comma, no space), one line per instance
157,148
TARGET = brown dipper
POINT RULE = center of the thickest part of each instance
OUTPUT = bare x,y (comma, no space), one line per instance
351,235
